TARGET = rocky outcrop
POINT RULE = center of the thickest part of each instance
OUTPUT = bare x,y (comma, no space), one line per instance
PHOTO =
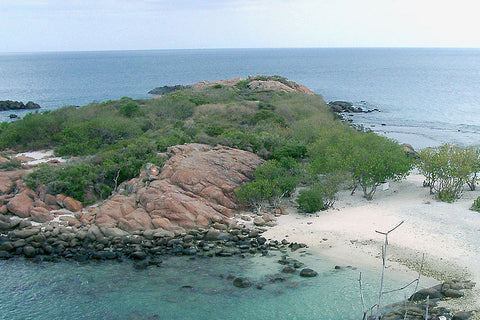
409,150
272,85
254,83
17,105
194,189
167,89
348,107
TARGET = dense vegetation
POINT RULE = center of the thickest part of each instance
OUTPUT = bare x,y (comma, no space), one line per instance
302,140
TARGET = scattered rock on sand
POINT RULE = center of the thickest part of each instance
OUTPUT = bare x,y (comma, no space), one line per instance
308,273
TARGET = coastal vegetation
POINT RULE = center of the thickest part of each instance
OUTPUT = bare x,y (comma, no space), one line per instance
302,141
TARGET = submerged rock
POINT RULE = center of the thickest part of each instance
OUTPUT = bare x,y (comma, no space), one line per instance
241,283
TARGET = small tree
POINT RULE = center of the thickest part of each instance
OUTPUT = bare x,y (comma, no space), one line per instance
369,158
473,154
374,160
447,168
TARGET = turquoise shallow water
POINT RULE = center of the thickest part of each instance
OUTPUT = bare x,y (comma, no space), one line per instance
70,290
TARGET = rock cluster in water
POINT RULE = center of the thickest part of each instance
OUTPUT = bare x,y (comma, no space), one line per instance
348,107
17,105
427,299
167,89
145,248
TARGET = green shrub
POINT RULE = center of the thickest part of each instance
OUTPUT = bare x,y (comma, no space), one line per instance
72,180
295,151
266,106
199,101
447,168
243,84
476,205
101,174
447,195
214,130
310,200
268,116
129,110
253,194
13,164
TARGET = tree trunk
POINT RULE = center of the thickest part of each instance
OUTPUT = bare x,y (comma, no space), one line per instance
369,194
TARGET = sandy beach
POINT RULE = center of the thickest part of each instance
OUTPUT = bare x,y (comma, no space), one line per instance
447,233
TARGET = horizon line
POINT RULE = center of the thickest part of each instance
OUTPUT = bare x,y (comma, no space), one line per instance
231,48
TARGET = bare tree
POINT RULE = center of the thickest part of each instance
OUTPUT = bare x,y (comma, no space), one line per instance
381,292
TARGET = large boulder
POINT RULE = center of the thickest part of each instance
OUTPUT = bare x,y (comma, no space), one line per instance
136,220
6,184
21,204
194,189
111,211
72,204
40,214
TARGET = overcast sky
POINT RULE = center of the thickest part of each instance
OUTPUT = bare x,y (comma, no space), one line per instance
71,25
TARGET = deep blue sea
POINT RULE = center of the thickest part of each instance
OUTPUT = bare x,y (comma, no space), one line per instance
426,96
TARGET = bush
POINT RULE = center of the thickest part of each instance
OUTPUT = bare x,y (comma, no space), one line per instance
266,106
253,194
129,110
72,180
476,205
268,116
447,195
295,151
310,200
99,176
13,164
272,182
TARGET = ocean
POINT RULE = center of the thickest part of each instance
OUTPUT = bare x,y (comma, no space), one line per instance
426,96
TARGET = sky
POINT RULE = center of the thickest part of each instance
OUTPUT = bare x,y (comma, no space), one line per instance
90,25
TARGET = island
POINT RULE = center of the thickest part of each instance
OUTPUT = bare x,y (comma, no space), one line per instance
229,168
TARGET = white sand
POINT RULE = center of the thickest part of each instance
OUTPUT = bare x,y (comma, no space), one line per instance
448,233
39,157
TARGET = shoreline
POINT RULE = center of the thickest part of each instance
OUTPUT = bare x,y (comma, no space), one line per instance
448,233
